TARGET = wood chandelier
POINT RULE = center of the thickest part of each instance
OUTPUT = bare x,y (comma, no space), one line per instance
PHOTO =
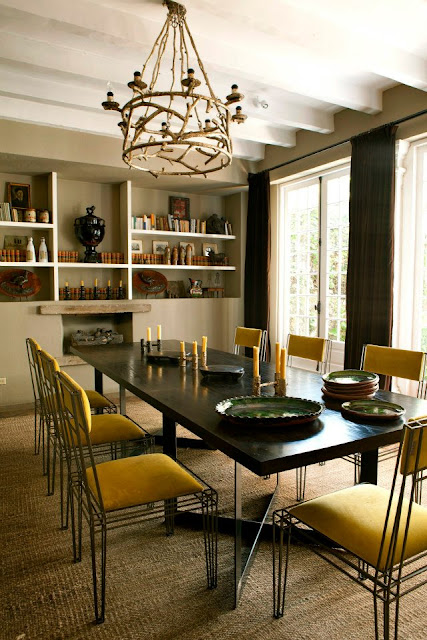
182,130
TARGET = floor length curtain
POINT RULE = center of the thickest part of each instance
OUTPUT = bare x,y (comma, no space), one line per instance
370,254
257,264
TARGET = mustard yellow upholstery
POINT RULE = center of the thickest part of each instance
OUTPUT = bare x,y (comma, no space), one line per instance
389,361
50,367
34,345
96,400
112,428
247,337
82,395
355,519
306,347
147,478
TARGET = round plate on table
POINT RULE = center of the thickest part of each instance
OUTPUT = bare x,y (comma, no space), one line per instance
348,395
373,409
218,370
269,410
350,377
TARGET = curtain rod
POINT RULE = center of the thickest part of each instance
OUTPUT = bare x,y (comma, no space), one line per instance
338,144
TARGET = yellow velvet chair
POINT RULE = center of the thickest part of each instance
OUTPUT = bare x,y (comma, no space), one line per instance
395,363
383,534
110,434
245,337
308,348
121,492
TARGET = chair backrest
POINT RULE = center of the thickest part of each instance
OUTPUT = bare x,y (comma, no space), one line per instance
33,349
48,367
75,419
245,337
411,461
398,363
309,348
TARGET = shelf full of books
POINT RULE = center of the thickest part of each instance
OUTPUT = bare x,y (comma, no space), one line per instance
169,223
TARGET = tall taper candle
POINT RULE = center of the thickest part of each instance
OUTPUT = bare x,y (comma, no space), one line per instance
277,357
195,347
204,343
182,347
283,364
256,362
148,334
159,332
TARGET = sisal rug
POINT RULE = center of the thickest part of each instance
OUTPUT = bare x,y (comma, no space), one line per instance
156,586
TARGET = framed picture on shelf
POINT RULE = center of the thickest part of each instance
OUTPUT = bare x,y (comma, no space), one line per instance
159,247
184,244
19,195
136,246
208,247
179,207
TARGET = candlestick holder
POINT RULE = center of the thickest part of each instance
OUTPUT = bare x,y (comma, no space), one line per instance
182,359
256,386
67,293
120,294
281,387
95,293
195,361
108,293
204,359
82,295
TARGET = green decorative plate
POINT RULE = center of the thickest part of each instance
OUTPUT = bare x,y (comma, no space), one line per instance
350,377
269,410
373,409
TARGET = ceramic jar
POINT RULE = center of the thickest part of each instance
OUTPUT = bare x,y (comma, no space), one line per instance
30,215
43,216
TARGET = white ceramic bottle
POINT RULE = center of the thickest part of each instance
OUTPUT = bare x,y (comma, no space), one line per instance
43,257
31,252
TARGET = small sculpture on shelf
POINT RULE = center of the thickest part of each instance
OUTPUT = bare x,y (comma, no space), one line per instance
182,254
195,290
188,254
90,230
167,256
216,258
215,224
175,256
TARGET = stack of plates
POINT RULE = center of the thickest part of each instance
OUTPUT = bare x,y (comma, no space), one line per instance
350,384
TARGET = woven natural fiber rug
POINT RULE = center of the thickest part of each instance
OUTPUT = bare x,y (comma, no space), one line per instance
156,586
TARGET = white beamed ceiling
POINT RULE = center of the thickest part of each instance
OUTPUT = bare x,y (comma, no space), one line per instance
307,59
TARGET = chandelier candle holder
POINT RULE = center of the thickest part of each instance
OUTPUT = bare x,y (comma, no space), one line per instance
181,128
279,382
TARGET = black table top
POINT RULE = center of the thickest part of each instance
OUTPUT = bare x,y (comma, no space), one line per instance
189,399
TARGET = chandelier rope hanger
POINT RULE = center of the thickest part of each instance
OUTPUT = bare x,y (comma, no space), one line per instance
182,129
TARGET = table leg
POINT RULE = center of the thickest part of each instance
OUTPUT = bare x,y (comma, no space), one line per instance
237,532
369,466
98,381
122,400
169,437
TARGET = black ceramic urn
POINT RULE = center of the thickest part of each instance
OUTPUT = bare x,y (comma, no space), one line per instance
90,230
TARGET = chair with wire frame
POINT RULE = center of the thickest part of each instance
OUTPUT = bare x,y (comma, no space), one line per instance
32,352
318,350
383,533
121,492
245,337
111,435
395,363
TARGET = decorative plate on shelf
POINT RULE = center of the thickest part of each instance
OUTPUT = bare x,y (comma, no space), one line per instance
350,377
373,409
219,370
165,356
269,410
150,282
19,283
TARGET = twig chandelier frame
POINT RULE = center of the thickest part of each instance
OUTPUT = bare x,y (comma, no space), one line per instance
182,130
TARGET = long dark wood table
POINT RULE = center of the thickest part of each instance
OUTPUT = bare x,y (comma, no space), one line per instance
183,396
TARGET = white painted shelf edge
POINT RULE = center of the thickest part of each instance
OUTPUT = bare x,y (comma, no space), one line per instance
28,264
177,234
193,267
26,225
91,265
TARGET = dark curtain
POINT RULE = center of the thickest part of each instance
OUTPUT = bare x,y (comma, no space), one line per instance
257,264
371,243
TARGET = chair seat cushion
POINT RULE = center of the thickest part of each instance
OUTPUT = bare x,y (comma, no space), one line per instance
146,478
112,428
355,519
97,400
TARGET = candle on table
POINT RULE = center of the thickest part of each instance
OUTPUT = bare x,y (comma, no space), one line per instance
148,334
256,362
159,332
195,347
182,347
283,364
277,357
204,343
